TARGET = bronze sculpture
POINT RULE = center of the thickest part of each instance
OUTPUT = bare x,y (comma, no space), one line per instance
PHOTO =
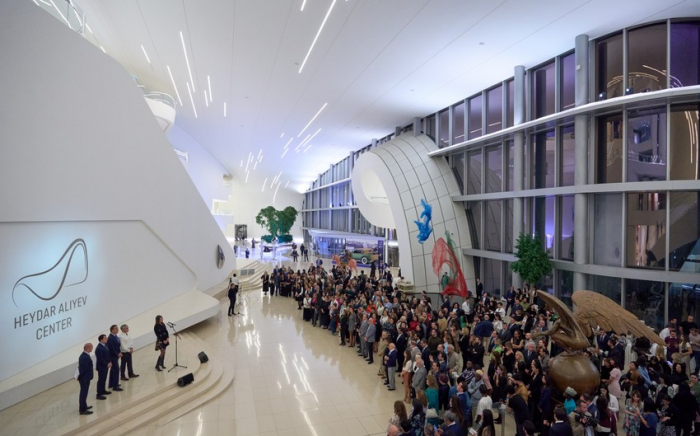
572,331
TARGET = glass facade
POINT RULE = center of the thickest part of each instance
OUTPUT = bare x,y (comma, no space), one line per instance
641,236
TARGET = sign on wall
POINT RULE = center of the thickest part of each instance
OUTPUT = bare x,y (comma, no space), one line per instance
62,284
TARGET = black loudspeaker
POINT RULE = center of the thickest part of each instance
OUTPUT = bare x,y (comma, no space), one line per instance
203,358
185,380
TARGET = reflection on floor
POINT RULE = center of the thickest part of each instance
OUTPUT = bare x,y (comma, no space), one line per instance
290,379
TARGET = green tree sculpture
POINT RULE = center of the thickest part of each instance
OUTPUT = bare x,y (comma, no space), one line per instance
278,222
533,261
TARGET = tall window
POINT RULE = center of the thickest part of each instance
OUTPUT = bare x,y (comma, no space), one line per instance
543,83
444,128
492,224
457,161
543,221
474,171
685,60
542,163
646,64
566,226
568,82
458,123
684,231
685,140
494,109
494,168
475,117
646,145
510,99
646,230
609,149
568,156
429,125
609,67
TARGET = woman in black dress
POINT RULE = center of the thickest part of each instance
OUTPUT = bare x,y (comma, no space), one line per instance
162,341
265,282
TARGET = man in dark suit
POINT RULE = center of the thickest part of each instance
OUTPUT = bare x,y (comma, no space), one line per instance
390,360
401,344
451,424
561,426
115,352
479,289
519,407
529,354
424,350
85,374
103,363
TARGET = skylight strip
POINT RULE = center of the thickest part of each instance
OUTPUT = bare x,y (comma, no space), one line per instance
317,35
288,142
206,100
145,54
192,100
303,3
285,152
209,84
264,183
312,119
174,85
184,49
225,111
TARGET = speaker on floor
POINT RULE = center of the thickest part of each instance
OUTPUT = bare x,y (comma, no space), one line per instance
185,380
203,358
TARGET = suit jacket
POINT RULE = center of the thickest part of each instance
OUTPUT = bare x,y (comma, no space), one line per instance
113,346
560,429
425,354
454,428
371,332
529,357
520,409
103,356
418,382
391,358
85,371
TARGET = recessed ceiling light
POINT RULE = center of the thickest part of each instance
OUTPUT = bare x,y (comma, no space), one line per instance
192,100
264,183
103,50
174,85
224,109
246,176
184,49
286,184
241,163
206,101
145,54
323,23
285,152
312,119
288,142
303,3
282,135
209,83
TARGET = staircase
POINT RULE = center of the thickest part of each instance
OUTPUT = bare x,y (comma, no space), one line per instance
162,403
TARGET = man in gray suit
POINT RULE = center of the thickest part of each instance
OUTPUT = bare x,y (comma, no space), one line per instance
370,333
419,375
362,331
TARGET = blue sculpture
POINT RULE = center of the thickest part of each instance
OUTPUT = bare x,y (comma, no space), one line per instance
424,227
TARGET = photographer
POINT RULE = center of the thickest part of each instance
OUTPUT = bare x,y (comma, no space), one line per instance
583,420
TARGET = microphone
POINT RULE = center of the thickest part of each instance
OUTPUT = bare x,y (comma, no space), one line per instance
170,324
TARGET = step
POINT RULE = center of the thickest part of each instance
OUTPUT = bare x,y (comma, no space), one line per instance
138,404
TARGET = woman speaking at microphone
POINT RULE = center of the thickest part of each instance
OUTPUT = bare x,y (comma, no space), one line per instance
162,341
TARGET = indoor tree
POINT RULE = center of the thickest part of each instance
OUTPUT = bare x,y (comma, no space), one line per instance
277,222
533,260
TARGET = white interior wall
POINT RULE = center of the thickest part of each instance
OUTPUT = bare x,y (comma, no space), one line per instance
83,154
248,199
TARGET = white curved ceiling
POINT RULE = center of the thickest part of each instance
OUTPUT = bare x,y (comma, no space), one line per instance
375,65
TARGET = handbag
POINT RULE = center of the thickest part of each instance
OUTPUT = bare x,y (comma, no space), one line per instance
431,414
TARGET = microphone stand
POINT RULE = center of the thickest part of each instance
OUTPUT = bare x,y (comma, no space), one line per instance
177,336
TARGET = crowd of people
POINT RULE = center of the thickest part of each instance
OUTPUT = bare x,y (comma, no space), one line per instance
463,365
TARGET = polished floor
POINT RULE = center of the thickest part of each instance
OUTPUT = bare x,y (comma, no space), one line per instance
290,379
